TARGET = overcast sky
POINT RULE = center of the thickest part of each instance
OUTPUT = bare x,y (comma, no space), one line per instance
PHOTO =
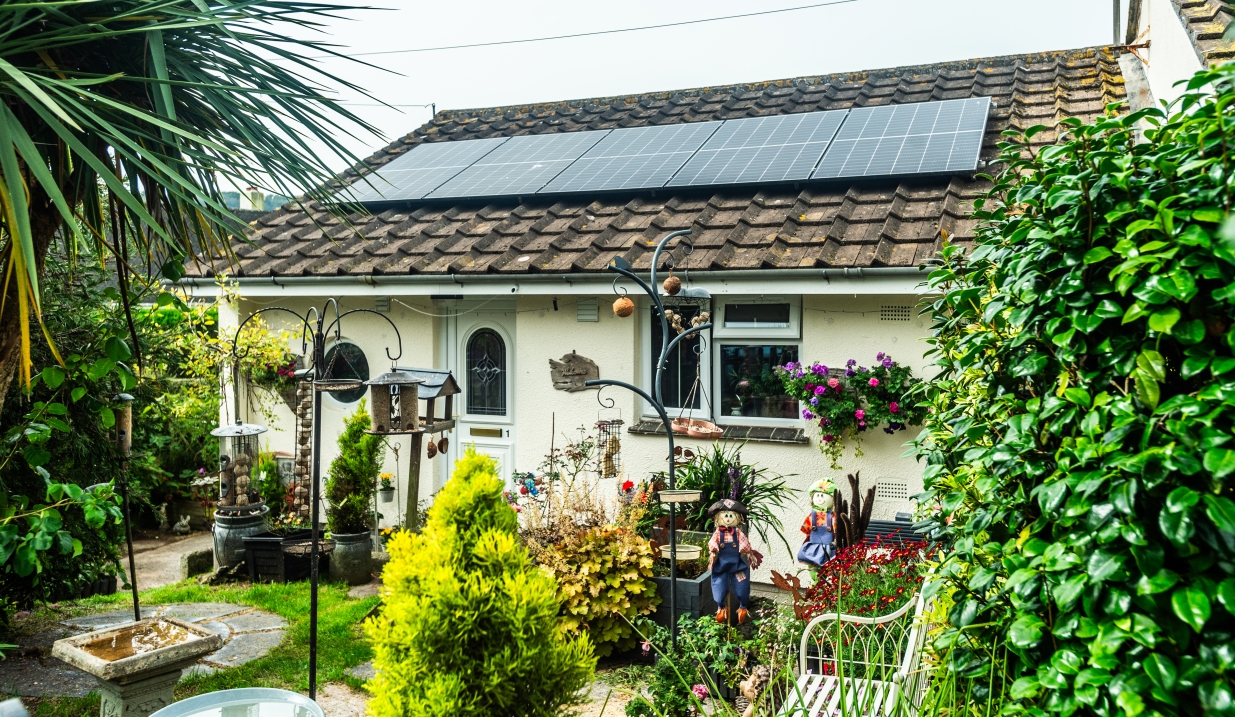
858,35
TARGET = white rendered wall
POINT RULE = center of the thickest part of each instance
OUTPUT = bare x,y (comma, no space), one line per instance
1171,56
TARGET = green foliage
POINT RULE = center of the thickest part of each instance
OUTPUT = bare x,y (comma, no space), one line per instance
847,405
353,475
469,626
720,473
266,477
604,582
1079,450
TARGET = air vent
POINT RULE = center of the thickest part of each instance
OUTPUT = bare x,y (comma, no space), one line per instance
381,304
892,490
587,309
894,313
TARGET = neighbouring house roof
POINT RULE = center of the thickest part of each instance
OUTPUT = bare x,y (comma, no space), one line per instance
890,223
1209,26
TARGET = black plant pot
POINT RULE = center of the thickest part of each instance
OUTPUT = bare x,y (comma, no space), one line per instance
694,598
268,562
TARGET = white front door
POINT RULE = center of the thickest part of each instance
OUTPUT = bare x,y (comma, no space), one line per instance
483,344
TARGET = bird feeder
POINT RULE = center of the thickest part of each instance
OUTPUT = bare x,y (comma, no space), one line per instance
609,446
394,402
238,449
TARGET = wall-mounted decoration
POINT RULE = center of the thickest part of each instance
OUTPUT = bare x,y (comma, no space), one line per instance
572,371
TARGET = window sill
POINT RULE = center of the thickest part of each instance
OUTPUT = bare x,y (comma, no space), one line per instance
759,434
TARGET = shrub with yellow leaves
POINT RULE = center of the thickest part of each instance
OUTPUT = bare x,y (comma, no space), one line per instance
469,626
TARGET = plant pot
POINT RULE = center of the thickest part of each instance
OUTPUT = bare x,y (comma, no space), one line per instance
387,494
269,561
694,597
230,530
352,559
685,552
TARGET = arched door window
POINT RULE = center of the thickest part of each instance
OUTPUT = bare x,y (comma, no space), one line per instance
486,374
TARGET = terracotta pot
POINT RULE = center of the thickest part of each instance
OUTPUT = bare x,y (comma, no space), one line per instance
704,430
680,426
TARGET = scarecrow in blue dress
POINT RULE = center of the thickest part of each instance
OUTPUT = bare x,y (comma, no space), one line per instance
819,527
731,558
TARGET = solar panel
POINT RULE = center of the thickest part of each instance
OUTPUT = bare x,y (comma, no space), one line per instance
520,166
916,138
634,158
761,149
421,170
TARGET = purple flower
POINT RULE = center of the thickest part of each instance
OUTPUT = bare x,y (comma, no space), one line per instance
814,402
807,414
797,374
874,382
829,438
879,356
790,366
819,390
850,372
887,363
851,362
819,369
861,369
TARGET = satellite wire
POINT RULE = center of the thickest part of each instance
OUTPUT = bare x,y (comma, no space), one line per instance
603,32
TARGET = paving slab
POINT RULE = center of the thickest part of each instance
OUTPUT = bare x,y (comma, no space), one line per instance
253,621
221,629
33,676
199,611
89,623
245,648
364,671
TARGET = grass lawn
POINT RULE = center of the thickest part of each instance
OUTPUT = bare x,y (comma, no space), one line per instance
340,640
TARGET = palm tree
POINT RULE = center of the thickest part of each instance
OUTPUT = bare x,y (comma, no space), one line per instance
119,117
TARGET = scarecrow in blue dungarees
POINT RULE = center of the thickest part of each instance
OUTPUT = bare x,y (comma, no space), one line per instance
819,527
731,558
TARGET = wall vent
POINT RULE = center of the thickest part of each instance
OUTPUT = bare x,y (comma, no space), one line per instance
892,490
381,304
587,309
894,313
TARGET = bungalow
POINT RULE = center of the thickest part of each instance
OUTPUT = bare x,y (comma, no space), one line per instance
496,287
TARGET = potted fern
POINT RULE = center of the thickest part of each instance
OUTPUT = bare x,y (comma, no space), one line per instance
349,491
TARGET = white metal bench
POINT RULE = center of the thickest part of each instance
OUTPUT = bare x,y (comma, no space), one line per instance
861,666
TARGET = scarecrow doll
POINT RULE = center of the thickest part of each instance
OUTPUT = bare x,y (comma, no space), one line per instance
731,558
819,527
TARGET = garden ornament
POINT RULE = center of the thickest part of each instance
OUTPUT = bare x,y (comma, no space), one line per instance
753,686
819,527
731,558
182,526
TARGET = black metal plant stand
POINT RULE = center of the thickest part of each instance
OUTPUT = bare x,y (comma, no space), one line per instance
623,267
314,326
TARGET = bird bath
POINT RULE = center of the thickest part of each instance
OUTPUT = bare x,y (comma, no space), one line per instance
138,664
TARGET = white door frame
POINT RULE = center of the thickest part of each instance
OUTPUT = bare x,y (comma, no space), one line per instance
467,318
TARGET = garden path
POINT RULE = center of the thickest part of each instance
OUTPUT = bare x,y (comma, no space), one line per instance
158,561
248,634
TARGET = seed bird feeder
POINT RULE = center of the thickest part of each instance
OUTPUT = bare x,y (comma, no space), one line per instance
394,403
238,448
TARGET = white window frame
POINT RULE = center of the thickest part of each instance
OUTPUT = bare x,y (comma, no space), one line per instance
644,308
793,331
710,372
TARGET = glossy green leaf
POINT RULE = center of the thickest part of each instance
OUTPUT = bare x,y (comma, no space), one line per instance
1191,605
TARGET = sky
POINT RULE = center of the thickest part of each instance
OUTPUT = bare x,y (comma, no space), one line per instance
856,35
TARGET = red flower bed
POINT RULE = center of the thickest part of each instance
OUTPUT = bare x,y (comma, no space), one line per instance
869,579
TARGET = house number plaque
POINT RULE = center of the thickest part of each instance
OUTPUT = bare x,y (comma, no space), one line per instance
570,373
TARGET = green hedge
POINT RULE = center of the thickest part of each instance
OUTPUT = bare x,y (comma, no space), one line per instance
1079,451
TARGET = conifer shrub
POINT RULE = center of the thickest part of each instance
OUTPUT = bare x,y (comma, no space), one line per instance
353,475
469,626
1080,461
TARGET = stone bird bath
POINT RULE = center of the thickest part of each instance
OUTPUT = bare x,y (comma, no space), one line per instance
138,664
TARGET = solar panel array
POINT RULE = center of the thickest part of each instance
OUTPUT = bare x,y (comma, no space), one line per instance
919,138
922,138
762,149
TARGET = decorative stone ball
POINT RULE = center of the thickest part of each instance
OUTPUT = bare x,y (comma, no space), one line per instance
432,449
623,307
673,285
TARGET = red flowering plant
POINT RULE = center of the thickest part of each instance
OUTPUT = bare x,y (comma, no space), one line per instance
869,579
846,402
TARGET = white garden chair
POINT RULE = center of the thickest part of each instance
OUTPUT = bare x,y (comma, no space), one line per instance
861,666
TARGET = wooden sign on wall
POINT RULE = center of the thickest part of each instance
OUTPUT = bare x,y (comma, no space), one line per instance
570,373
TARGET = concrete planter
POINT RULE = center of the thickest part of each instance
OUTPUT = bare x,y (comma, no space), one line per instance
694,597
138,664
230,530
352,559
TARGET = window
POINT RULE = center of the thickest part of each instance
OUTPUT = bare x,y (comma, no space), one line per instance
486,374
347,360
758,317
682,363
749,385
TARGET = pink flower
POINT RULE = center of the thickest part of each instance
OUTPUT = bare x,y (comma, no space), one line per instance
874,382
829,438
701,691
646,647
834,382
819,390
894,407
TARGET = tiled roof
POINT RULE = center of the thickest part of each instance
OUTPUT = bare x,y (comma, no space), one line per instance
1208,23
890,223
